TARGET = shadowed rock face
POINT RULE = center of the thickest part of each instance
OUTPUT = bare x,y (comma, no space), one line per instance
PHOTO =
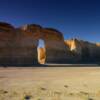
83,50
24,51
26,42
18,46
6,39
56,50
75,47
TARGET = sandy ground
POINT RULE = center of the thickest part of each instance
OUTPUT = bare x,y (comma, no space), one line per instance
50,83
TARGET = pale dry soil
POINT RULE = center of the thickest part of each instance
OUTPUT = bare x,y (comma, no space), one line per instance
50,83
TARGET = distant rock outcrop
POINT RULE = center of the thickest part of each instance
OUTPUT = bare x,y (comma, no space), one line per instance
98,44
84,51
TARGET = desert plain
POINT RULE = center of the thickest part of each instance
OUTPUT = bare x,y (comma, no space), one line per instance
50,83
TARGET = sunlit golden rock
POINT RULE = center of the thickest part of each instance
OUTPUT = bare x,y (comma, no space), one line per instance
32,30
41,55
98,44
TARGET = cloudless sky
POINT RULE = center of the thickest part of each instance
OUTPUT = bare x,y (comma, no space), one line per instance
74,18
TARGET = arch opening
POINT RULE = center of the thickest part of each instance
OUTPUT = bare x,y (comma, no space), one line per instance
41,51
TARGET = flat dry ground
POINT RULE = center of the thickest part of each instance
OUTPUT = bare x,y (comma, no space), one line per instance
50,83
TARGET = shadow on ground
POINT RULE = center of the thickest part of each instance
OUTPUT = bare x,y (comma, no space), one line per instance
53,65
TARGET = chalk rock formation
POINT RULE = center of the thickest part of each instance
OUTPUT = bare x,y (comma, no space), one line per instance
56,50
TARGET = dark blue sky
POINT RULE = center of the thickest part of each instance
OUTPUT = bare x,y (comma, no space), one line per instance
74,18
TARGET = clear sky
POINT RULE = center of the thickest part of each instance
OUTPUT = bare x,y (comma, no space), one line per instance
74,18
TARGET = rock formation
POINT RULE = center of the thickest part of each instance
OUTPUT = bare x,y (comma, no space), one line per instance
18,46
98,44
56,50
41,55
84,51
26,44
6,39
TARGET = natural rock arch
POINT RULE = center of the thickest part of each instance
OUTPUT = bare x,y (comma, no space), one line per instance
20,44
56,50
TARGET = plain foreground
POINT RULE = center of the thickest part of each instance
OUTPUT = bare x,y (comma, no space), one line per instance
50,83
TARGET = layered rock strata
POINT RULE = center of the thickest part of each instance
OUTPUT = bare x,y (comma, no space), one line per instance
83,50
18,46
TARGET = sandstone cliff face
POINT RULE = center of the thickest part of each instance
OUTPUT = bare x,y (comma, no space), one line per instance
83,50
6,36
18,46
26,42
74,45
56,50
24,51
33,30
